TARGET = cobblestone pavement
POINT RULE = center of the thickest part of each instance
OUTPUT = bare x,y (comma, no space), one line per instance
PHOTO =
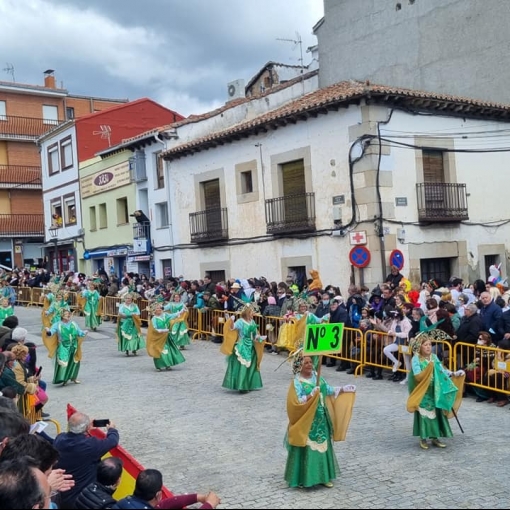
203,437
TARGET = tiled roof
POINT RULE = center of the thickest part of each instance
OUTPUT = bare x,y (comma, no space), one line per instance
342,94
227,106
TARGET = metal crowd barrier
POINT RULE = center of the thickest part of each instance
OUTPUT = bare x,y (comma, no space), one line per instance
487,368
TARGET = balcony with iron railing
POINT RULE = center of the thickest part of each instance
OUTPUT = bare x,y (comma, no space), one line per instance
442,202
20,225
20,176
291,214
208,226
25,128
142,230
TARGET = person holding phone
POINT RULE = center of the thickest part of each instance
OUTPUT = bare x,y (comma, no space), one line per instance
80,453
63,341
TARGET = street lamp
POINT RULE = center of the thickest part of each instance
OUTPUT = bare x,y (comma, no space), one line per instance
53,230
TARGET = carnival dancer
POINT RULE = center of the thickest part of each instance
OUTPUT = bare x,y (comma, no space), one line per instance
179,326
159,344
63,341
129,333
6,310
58,305
434,397
244,347
318,415
92,306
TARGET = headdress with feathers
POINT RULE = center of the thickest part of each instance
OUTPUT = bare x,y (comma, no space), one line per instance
430,333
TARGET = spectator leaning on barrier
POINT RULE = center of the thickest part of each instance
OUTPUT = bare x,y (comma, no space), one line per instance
80,453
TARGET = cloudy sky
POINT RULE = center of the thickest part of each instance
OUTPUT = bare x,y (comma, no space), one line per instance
181,53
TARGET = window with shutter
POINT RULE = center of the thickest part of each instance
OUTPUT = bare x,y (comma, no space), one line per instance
294,191
212,204
433,177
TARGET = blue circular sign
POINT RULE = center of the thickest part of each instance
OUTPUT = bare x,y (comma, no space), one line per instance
359,256
86,255
397,259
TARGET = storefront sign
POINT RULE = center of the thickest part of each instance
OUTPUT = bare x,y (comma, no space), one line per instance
104,180
117,253
140,258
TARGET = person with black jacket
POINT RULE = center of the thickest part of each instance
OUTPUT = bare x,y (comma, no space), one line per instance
99,494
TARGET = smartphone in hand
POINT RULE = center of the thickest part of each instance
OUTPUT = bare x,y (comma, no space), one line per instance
38,372
100,423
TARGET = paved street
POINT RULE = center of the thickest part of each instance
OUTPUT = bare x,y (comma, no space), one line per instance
205,438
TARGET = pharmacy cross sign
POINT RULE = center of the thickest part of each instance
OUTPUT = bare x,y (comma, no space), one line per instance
358,237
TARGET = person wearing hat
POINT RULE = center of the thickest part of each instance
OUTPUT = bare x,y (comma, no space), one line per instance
393,279
235,299
58,305
434,397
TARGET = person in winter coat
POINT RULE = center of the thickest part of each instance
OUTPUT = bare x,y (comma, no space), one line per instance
99,494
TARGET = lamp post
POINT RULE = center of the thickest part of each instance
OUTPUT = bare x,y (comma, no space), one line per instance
53,230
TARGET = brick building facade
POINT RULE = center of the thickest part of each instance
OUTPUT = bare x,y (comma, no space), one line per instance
27,112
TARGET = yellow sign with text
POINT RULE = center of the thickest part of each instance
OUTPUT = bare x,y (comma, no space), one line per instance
104,180
323,339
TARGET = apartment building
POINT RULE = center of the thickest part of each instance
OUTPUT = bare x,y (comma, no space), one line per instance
26,113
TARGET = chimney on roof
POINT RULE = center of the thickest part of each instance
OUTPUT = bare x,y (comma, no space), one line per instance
49,79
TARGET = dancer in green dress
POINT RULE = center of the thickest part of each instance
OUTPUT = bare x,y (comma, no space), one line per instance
318,415
433,395
179,330
159,344
129,334
58,305
63,341
91,308
244,347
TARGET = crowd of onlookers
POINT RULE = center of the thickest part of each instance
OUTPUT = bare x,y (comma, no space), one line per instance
37,471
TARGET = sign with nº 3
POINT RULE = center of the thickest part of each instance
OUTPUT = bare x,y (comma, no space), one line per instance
323,339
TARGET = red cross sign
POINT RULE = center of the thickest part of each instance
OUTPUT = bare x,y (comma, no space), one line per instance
357,238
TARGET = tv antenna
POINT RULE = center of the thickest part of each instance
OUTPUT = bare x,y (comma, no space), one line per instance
9,69
297,42
105,133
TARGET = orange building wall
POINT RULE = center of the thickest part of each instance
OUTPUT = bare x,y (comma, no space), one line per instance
25,201
23,153
24,105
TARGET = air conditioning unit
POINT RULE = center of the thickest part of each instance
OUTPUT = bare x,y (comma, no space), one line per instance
81,232
235,89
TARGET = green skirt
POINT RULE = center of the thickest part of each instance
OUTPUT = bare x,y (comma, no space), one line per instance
424,427
134,344
170,356
92,320
242,378
306,467
180,335
70,372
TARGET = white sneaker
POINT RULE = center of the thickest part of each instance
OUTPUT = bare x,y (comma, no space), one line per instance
396,365
403,381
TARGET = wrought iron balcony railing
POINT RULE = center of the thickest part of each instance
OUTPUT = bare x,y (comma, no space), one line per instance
209,225
25,128
21,225
142,230
20,176
290,214
442,202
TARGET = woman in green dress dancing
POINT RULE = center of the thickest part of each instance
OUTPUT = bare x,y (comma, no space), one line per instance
433,395
129,334
179,330
159,344
91,307
318,415
63,341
